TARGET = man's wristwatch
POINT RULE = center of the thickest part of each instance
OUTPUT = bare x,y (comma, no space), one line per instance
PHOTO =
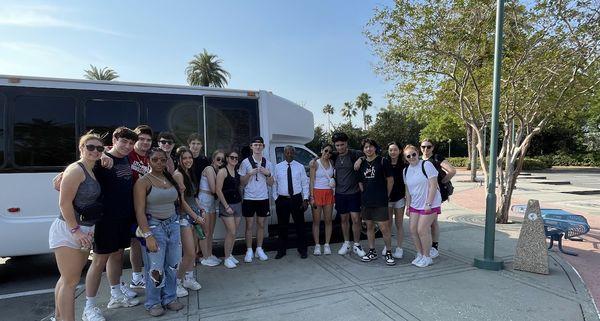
75,229
428,204
147,234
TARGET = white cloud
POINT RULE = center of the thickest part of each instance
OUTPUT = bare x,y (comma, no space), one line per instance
37,16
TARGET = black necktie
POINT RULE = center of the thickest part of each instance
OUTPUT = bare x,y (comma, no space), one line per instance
289,179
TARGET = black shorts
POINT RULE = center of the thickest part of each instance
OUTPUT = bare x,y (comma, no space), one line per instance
377,214
346,203
112,235
258,207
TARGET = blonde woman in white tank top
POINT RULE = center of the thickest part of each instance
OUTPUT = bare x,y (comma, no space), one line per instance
322,196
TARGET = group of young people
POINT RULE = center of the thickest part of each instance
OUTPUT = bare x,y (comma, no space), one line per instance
163,205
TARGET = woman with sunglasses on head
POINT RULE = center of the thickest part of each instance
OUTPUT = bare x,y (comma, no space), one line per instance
322,196
423,202
208,203
445,173
184,177
155,196
230,206
397,198
70,237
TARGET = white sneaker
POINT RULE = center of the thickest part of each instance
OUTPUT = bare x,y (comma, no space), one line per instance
345,248
192,284
208,262
127,291
261,254
122,302
317,250
92,314
215,259
398,253
384,250
425,261
357,249
139,284
181,291
249,256
229,263
233,259
433,253
417,259
326,249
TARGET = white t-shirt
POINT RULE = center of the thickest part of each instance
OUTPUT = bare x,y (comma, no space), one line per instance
257,188
418,185
323,175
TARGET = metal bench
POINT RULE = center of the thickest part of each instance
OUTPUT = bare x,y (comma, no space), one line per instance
559,225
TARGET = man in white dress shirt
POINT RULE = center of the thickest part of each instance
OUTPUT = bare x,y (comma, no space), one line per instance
290,191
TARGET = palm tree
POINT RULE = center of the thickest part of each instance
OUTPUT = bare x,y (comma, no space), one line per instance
328,110
363,102
205,70
95,73
348,111
368,121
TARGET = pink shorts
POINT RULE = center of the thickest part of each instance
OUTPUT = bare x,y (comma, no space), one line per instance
434,210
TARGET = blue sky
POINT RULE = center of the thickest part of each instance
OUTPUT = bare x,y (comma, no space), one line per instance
311,52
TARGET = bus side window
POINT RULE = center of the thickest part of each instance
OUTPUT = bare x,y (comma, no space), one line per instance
180,117
44,131
2,104
105,115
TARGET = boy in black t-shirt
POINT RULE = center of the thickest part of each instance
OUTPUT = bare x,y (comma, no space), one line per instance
376,182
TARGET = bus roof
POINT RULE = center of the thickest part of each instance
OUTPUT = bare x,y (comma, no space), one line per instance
84,84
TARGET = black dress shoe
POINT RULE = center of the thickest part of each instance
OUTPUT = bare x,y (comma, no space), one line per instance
303,255
279,255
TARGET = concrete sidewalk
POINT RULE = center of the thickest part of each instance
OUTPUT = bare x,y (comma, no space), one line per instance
344,288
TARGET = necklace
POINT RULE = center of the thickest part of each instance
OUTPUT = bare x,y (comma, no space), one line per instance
159,179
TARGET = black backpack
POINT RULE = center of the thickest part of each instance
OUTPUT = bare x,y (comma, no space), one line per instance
263,163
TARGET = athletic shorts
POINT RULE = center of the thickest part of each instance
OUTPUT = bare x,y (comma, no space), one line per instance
112,235
323,197
237,210
434,210
208,202
60,235
346,203
397,204
377,214
258,207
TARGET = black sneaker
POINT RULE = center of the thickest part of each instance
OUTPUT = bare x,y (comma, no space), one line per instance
370,256
389,259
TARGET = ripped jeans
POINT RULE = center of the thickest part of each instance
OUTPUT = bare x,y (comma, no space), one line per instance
160,268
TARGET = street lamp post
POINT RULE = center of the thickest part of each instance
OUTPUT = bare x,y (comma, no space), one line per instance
449,146
488,261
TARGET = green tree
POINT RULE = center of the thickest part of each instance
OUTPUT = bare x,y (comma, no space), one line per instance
363,102
328,110
550,48
395,124
368,120
95,73
319,139
348,111
206,70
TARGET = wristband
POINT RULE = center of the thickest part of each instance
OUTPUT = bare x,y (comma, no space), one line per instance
75,229
428,204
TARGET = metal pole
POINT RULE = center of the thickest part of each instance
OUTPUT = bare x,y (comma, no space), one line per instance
449,146
488,261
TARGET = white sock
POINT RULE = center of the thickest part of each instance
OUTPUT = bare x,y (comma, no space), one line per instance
137,276
115,290
90,302
189,275
258,248
249,249
356,244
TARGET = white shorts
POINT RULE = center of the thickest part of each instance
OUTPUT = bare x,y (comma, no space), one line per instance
397,204
60,235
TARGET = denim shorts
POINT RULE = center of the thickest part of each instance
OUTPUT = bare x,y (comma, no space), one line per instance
185,219
208,202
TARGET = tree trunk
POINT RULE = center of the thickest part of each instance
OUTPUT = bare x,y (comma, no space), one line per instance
471,142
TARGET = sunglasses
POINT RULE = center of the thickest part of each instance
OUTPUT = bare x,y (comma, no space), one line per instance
326,151
91,148
410,156
233,157
426,146
166,142
218,159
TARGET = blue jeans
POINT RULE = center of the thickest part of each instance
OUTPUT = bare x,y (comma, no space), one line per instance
162,289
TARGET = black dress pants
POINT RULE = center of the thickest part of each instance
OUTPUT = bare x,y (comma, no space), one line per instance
294,206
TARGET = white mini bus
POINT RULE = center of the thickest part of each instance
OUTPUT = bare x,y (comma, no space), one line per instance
42,118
